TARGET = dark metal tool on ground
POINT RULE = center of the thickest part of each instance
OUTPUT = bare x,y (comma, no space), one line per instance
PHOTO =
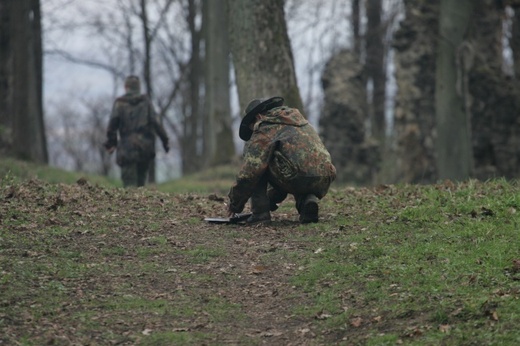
235,219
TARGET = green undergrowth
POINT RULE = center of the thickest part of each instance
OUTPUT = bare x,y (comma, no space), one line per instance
23,170
86,263
418,264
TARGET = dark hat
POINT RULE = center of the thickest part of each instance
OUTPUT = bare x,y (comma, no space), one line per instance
253,108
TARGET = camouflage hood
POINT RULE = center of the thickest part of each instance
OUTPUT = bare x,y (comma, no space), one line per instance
285,116
132,98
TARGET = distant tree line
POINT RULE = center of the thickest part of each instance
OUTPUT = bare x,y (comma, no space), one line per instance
424,90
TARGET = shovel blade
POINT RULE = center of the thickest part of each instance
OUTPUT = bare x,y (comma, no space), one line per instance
228,220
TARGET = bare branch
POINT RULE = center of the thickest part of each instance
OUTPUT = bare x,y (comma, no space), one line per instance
86,62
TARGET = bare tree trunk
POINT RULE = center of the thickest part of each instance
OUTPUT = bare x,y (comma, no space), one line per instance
192,140
220,147
454,154
262,56
22,65
147,63
375,69
415,44
342,120
5,80
356,33
493,105
515,37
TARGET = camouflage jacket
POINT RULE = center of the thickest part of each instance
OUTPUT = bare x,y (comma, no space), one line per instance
286,145
134,118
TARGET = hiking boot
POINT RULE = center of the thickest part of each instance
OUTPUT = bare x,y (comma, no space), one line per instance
260,218
309,211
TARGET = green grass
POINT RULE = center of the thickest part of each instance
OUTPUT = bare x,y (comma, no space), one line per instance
22,170
429,257
404,264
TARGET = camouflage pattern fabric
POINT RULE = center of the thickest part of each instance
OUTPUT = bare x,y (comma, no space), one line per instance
286,148
135,174
134,118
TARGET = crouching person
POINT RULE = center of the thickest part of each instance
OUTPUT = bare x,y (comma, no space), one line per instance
283,155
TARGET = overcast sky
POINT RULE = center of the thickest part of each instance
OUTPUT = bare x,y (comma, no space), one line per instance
316,29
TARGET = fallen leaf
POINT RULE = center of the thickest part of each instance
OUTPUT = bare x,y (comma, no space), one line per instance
444,328
377,319
257,270
147,331
356,322
494,316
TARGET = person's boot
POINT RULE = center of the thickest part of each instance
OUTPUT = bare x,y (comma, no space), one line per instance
259,218
309,210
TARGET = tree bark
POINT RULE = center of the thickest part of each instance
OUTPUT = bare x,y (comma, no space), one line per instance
454,153
6,140
21,61
192,138
375,69
342,120
261,50
356,33
415,44
219,144
147,63
494,104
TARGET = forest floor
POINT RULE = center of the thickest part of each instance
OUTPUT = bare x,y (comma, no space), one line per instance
82,264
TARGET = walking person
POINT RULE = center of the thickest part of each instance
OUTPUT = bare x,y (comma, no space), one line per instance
131,130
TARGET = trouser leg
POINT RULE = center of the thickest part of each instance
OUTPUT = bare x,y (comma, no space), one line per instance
129,175
142,172
259,199
275,196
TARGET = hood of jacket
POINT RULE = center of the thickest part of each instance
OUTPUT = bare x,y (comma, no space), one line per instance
132,98
284,115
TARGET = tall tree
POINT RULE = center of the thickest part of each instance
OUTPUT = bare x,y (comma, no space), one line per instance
147,67
515,36
415,44
21,78
454,153
356,27
343,120
492,98
219,144
193,130
5,106
261,50
375,68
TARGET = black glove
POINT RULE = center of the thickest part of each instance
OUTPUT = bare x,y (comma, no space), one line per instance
166,146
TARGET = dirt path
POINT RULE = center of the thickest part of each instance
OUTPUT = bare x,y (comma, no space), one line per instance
118,266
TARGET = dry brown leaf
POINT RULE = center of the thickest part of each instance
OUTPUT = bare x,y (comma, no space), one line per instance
494,316
444,328
356,322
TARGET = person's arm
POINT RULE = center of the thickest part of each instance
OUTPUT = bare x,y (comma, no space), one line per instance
159,128
113,126
257,153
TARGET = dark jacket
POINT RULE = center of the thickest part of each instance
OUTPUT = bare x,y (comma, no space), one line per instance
134,118
287,148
